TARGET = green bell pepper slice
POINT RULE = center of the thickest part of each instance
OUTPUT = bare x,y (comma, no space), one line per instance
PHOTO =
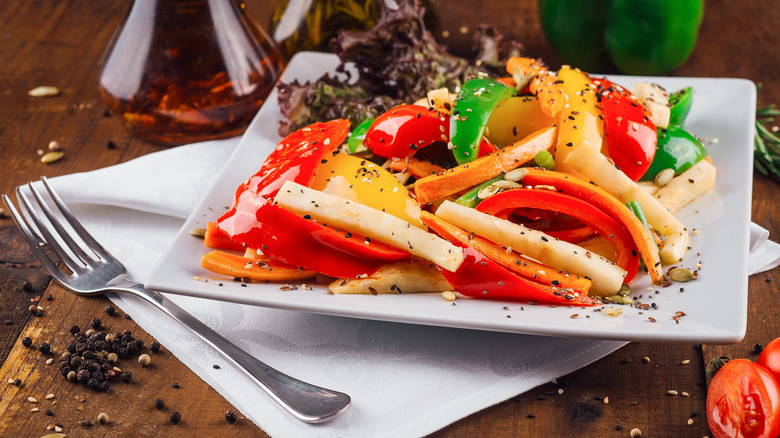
677,149
647,37
680,102
355,140
475,103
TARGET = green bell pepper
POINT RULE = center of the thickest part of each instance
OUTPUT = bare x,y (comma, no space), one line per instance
677,150
355,140
647,37
475,103
680,102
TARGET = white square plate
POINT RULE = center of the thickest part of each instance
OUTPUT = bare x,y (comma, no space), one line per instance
715,304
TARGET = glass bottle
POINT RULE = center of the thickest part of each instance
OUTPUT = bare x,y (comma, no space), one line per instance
298,25
181,71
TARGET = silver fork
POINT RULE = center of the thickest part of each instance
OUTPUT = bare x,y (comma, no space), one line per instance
95,271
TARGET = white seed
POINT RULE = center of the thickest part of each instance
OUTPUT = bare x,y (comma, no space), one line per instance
681,274
34,410
49,396
613,311
685,362
664,177
516,174
672,392
448,295
54,145
690,421
144,360
51,157
198,232
488,191
103,418
57,429
685,394
43,91
606,400
49,361
636,432
32,399
504,184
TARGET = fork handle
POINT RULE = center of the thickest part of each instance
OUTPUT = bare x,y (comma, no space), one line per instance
307,402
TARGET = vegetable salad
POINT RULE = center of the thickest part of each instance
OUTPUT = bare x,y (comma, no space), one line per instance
536,186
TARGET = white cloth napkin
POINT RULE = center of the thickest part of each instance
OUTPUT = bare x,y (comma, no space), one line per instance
404,380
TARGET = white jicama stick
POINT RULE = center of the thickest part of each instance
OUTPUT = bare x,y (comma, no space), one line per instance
675,247
596,167
410,275
606,276
687,186
372,223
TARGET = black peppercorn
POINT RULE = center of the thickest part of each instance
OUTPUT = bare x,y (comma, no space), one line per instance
18,382
44,348
88,354
93,383
231,416
75,329
159,403
175,417
175,385
26,341
110,309
154,346
95,323
126,376
104,386
83,376
49,412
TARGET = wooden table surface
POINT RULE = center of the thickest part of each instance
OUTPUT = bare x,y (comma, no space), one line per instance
59,43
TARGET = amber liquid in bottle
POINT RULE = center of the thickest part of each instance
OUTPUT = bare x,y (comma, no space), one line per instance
180,71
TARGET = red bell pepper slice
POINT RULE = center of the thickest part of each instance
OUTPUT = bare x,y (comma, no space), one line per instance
295,158
610,205
480,277
630,131
403,130
625,250
298,241
255,222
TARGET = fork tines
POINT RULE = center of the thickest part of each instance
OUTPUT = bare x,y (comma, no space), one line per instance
43,228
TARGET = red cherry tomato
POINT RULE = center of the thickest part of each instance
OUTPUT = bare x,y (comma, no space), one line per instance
631,134
770,358
743,400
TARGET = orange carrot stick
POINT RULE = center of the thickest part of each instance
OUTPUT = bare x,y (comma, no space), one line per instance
459,178
524,267
260,269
